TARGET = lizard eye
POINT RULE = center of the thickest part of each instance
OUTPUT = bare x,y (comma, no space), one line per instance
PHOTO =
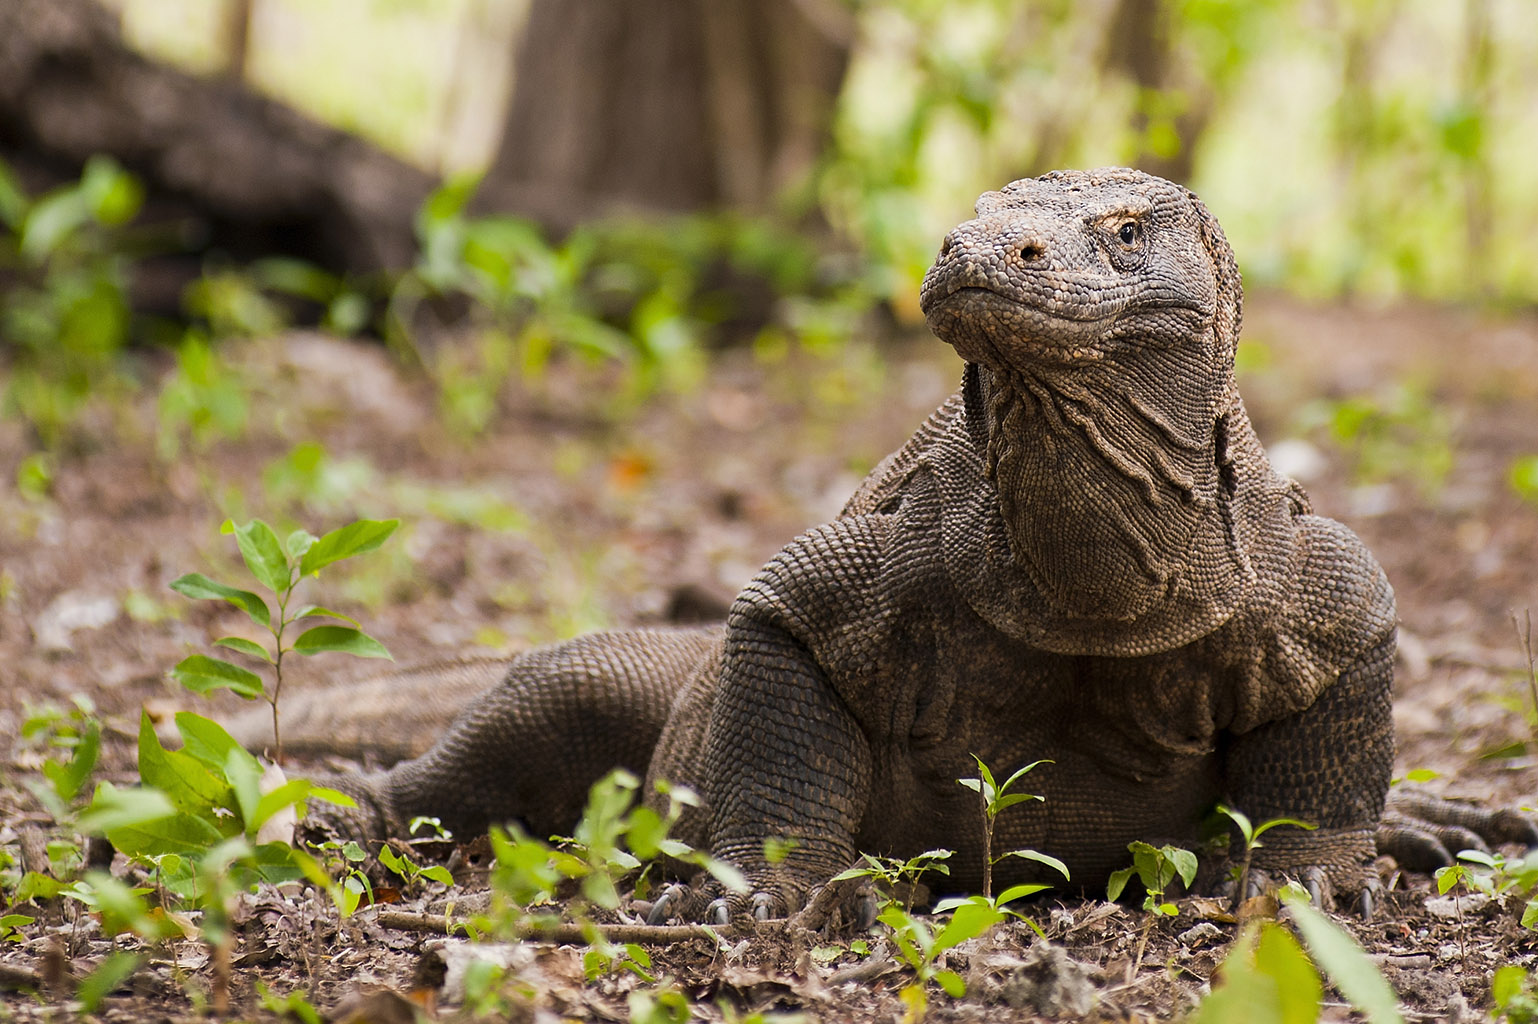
1128,233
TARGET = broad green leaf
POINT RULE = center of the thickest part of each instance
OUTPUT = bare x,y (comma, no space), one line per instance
726,874
439,873
185,834
1448,877
1016,892
340,638
264,555
299,542
294,791
69,777
1506,984
1117,882
317,611
245,776
1530,915
200,588
187,781
1042,858
952,983
202,674
352,539
114,808
968,921
107,976
51,220
1184,861
646,832
247,647
111,193
1343,960
1243,993
205,739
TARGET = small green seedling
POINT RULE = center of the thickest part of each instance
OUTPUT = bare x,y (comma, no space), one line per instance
920,948
279,567
1251,834
898,877
995,799
1515,993
1156,868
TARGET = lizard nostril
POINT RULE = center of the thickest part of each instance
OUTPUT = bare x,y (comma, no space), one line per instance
1032,251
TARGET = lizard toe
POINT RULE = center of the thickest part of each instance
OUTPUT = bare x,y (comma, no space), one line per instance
667,904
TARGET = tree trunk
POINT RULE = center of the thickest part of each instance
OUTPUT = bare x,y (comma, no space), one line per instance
666,105
250,175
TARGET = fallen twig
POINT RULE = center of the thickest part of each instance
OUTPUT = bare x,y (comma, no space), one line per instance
654,934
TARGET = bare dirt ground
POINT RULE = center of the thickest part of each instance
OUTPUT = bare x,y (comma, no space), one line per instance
568,515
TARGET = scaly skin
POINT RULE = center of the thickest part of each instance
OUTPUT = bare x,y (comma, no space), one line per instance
1082,556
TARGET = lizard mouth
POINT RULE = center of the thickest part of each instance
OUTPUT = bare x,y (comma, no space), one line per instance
979,322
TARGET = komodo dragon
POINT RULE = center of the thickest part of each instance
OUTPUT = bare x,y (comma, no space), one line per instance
1083,555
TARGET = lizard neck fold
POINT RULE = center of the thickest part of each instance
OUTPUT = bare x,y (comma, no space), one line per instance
1109,523
1108,481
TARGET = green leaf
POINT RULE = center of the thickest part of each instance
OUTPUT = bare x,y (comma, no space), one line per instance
352,539
107,976
316,611
968,921
1530,915
244,646
1343,960
200,588
245,776
205,739
299,542
1117,882
439,873
1242,820
1016,892
952,983
264,555
202,674
111,193
1506,984
1267,826
292,792
1016,777
331,796
1010,799
187,781
1042,858
1448,877
1184,861
113,808
340,638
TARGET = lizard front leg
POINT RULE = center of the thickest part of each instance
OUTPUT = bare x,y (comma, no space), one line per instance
1328,765
783,759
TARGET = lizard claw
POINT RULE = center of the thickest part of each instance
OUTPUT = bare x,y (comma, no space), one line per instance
865,911
1424,833
1367,899
671,899
718,912
1318,885
763,906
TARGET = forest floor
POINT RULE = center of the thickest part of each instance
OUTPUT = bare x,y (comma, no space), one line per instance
568,514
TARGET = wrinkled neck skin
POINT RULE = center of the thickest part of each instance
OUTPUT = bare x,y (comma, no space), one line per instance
1110,475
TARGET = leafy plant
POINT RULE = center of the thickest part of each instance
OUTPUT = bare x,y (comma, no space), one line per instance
921,948
65,318
280,568
899,877
1156,868
1267,977
995,799
1515,993
1250,834
1401,433
201,400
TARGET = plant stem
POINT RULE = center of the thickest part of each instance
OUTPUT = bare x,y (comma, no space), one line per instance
1142,945
987,852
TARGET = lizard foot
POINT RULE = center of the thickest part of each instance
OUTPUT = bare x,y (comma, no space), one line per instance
1424,832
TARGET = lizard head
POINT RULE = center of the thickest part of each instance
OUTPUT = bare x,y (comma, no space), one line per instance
1078,267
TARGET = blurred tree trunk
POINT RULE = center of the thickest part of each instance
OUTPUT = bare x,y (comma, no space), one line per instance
1169,114
666,105
240,173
